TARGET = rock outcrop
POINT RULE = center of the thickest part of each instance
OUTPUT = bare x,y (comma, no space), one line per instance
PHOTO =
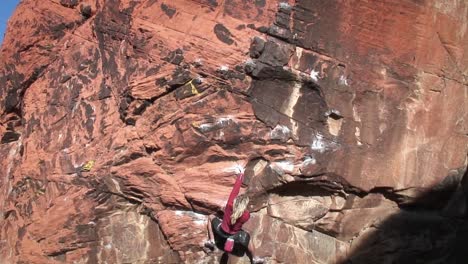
123,123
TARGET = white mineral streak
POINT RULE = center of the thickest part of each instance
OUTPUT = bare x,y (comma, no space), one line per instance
314,75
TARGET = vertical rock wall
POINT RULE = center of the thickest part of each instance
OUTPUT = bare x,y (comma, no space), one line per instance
122,124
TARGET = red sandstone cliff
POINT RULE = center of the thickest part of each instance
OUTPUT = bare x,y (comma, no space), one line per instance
351,117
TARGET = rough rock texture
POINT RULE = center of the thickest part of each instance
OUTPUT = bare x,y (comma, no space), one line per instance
351,118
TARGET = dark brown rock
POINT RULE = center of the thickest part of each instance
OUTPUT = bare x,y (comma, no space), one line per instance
69,3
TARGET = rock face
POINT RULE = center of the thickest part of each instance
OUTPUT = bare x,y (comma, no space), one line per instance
122,124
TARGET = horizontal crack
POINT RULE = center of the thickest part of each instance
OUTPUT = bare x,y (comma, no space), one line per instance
445,78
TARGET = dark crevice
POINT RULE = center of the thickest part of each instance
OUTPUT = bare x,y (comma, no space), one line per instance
150,150
62,251
302,189
135,192
128,158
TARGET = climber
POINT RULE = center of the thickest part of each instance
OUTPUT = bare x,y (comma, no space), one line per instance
227,234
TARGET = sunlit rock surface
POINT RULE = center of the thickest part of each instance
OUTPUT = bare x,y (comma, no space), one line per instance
123,123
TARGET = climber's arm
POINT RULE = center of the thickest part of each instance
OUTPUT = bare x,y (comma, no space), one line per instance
235,189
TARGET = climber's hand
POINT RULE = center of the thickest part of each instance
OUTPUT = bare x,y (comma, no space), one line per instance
239,169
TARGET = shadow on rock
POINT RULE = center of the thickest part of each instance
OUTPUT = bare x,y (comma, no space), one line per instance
432,228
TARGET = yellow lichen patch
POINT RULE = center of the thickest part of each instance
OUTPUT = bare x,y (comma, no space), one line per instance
196,124
194,89
88,166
